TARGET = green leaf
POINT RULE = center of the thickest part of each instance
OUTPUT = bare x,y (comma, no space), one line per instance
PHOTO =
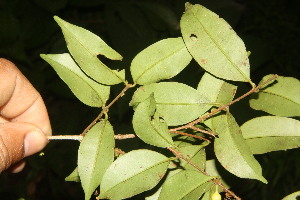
74,176
232,150
206,196
212,170
271,133
85,46
149,126
162,60
216,89
293,196
282,97
133,173
154,196
85,89
214,45
95,155
196,154
187,184
176,103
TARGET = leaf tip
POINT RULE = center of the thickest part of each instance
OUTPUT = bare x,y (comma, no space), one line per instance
188,5
56,18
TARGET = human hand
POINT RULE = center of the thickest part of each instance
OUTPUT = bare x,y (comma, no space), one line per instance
24,121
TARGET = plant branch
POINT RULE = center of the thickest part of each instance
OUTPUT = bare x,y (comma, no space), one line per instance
106,108
215,181
65,137
190,135
256,89
80,137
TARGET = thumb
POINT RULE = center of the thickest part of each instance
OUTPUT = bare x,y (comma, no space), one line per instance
19,140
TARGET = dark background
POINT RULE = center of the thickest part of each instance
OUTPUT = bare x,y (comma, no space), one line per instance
269,28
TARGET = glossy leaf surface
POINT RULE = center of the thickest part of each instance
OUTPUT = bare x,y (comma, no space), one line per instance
232,150
85,46
161,60
271,133
214,44
185,185
149,126
95,154
176,103
282,97
133,173
216,90
85,89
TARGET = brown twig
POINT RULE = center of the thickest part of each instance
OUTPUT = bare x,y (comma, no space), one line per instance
215,181
106,108
179,155
124,136
187,134
80,137
119,151
203,131
255,89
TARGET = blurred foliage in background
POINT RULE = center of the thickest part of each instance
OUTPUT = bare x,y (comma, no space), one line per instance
270,30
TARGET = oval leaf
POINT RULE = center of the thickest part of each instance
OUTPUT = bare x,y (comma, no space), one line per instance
162,60
271,133
84,46
85,89
133,173
149,127
216,90
214,44
187,184
176,103
95,154
232,150
282,97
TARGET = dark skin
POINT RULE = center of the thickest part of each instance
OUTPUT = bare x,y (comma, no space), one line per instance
24,121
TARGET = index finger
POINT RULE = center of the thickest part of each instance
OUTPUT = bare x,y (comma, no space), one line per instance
19,100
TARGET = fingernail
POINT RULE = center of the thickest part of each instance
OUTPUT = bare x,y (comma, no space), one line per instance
34,142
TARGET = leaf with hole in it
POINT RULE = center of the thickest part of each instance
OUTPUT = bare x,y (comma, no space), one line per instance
85,89
232,150
176,103
214,44
85,46
74,176
133,173
216,90
95,155
162,60
149,127
281,97
271,133
185,185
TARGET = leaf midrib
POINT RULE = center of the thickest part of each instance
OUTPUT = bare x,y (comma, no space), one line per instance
284,97
219,47
77,75
128,179
158,62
